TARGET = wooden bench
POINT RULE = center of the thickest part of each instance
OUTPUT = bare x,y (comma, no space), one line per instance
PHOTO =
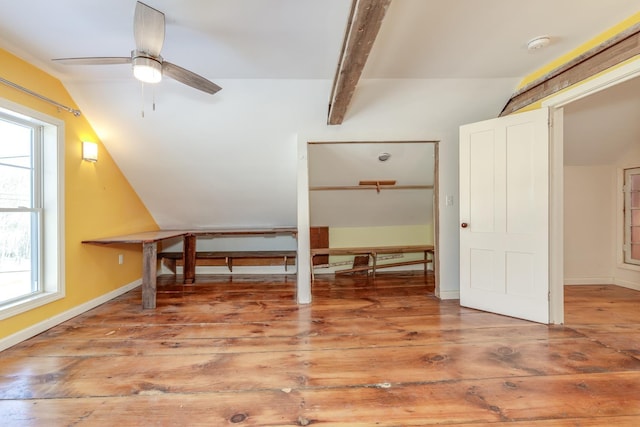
214,258
373,252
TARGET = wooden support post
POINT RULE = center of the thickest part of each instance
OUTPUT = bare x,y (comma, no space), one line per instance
149,261
189,253
426,261
375,261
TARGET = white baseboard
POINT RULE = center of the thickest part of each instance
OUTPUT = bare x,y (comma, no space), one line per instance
626,284
600,280
449,295
38,328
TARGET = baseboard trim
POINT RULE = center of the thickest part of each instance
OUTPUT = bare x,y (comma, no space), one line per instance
38,328
449,295
588,281
626,284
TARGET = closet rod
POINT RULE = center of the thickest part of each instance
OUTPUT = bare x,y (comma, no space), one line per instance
43,98
370,187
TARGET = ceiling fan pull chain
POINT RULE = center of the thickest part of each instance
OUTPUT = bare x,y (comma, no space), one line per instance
153,95
142,99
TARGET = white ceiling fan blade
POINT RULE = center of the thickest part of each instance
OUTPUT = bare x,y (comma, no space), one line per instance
148,29
189,78
95,60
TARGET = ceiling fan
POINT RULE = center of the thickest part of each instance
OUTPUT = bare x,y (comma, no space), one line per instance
148,65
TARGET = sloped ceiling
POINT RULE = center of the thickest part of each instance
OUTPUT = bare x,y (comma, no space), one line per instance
230,159
411,164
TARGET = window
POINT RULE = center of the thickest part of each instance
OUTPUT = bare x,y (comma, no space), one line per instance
21,204
632,216
31,247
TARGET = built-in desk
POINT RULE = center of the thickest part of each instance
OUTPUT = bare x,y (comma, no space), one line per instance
150,239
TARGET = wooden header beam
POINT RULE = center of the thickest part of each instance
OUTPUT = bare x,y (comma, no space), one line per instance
613,51
363,26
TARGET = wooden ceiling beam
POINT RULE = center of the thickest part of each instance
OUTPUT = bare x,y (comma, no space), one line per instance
364,23
613,51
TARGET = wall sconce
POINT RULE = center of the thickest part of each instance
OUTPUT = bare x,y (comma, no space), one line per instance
89,151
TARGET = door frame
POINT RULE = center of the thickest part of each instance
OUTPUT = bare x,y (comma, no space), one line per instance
303,260
619,74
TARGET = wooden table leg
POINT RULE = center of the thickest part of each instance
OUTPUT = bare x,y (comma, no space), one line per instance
189,254
312,274
149,254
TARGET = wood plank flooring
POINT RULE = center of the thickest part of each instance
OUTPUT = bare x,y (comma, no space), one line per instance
237,350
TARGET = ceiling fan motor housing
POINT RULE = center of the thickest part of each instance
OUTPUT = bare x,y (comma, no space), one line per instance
145,67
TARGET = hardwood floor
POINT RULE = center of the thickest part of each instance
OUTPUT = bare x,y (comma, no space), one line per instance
238,351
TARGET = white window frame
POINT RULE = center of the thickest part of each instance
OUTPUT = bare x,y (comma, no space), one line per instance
627,216
51,248
34,208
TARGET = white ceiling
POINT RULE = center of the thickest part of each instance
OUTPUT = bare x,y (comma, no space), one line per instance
275,60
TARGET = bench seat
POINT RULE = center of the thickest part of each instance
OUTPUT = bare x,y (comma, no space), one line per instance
372,252
226,258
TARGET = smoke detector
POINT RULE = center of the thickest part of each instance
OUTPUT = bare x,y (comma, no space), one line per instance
538,43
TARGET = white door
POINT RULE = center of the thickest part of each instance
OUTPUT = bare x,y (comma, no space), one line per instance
504,215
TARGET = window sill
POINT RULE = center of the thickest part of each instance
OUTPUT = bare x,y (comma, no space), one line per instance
27,304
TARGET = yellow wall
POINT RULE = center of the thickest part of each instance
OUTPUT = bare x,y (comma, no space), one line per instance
344,237
99,202
596,41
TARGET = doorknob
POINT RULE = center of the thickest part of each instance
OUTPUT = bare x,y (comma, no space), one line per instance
464,225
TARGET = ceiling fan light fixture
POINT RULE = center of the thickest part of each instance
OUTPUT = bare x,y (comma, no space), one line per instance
147,70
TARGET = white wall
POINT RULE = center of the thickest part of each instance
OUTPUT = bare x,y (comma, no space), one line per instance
593,224
589,232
